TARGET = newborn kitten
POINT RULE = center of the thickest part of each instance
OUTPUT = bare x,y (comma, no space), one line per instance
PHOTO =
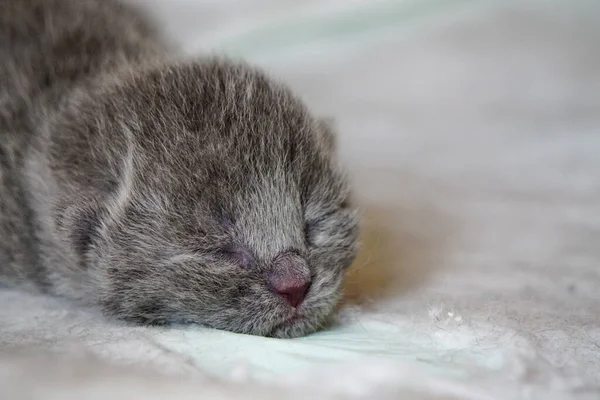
163,191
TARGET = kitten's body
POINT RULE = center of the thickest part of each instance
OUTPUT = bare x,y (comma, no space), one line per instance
162,191
47,49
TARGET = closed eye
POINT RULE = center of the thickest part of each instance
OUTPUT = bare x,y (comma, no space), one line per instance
238,254
329,223
345,204
312,226
307,231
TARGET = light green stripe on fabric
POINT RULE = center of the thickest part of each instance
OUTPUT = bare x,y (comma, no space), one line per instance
339,27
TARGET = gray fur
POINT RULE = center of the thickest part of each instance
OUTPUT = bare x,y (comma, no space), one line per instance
160,190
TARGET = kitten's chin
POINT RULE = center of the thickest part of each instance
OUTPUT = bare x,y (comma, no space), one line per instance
296,326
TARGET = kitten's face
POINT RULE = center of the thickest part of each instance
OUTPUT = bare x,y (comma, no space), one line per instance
259,258
235,216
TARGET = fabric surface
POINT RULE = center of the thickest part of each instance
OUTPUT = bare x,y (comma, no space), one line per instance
472,130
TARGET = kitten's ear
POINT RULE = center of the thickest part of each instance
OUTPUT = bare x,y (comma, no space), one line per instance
84,231
80,223
327,134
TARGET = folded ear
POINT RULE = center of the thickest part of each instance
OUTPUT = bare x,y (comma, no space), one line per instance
80,223
327,134
84,231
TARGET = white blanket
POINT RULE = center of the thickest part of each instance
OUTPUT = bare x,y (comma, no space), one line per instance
472,130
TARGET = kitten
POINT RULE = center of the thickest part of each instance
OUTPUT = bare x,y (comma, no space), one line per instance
161,190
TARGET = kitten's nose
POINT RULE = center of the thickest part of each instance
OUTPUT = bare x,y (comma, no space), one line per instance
290,278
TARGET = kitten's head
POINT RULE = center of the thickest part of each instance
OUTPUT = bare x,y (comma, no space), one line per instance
205,193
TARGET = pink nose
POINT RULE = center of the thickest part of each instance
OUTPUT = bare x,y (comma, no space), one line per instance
290,278
293,292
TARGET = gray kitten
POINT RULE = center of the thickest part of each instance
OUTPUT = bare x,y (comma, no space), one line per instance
163,191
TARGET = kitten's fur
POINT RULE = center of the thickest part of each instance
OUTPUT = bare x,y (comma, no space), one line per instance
159,190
